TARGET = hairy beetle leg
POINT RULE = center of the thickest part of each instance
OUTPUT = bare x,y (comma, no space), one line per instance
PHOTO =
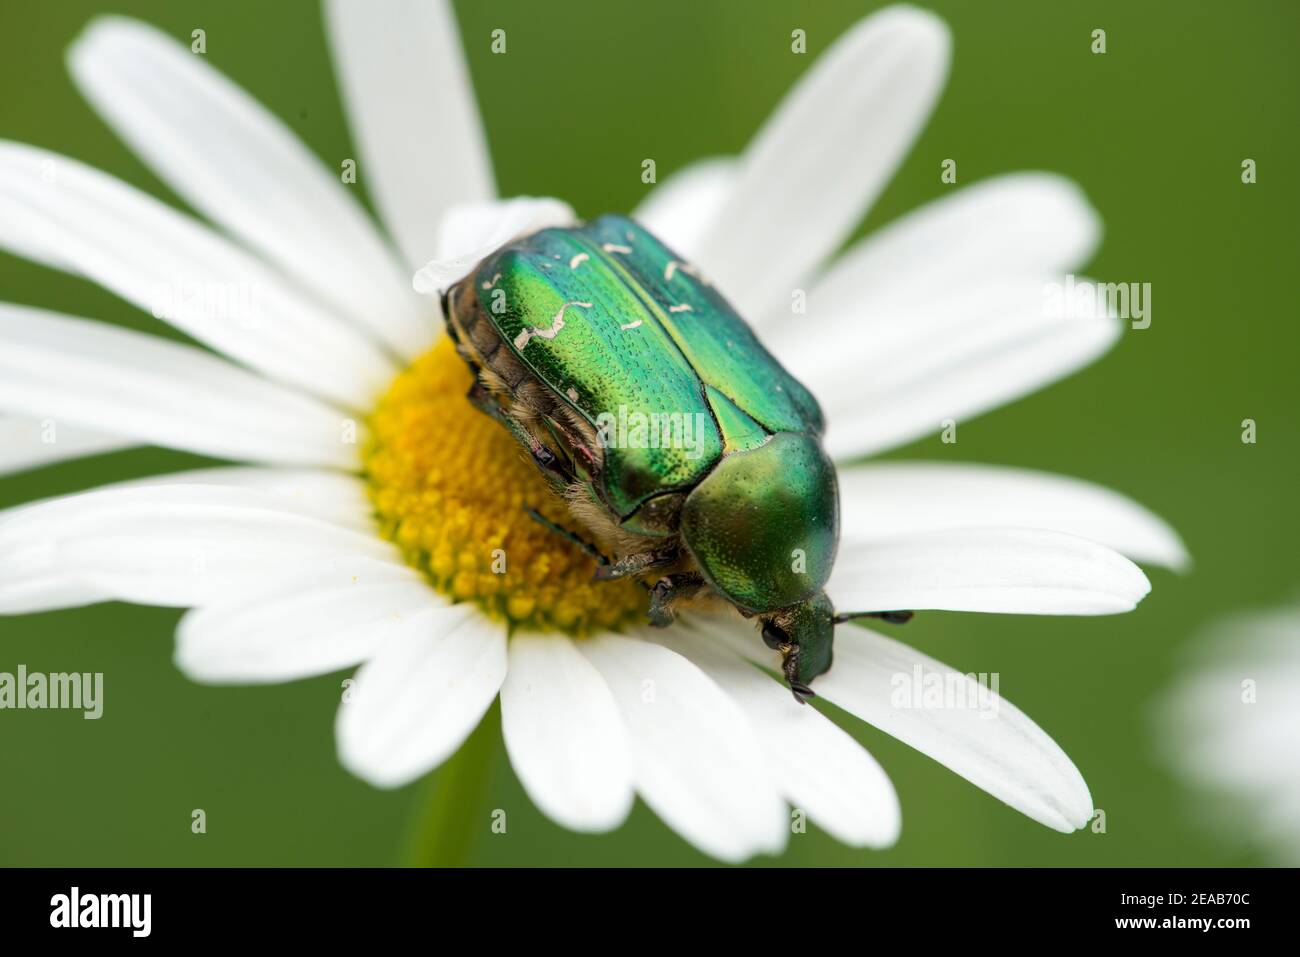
893,617
667,590
555,470
789,665
560,530
635,564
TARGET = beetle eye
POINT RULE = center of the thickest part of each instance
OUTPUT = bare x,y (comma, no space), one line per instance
774,636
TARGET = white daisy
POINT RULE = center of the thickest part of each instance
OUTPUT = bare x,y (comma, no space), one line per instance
1229,727
289,573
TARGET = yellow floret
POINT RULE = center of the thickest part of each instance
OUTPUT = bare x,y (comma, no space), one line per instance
451,488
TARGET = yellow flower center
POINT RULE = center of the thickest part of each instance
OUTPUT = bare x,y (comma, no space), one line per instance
452,489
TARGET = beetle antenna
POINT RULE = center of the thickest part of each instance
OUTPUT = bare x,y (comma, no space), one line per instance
893,617
563,532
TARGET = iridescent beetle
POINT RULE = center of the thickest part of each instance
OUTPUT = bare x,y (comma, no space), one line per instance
677,440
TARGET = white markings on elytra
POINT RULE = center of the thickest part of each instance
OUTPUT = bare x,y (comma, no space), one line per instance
630,325
684,307
676,265
492,282
578,260
616,248
527,335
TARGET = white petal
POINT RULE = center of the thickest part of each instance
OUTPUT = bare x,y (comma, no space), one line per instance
819,768
309,624
972,730
903,374
28,442
235,162
183,273
183,545
31,237
681,209
421,695
995,746
330,496
1229,725
1007,570
886,500
96,376
825,154
564,734
469,232
411,108
1019,224
695,759
47,592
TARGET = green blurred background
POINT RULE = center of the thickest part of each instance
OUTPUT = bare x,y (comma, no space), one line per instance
1154,130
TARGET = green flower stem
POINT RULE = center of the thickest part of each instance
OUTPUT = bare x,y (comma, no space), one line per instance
454,811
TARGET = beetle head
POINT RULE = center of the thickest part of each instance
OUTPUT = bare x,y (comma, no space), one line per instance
805,635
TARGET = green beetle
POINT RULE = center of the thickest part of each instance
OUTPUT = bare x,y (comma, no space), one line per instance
675,437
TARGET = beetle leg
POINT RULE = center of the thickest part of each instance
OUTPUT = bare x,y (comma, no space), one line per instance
574,442
893,617
554,468
667,590
635,564
560,530
483,400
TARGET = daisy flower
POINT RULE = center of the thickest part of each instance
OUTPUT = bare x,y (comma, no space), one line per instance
373,500
1229,727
